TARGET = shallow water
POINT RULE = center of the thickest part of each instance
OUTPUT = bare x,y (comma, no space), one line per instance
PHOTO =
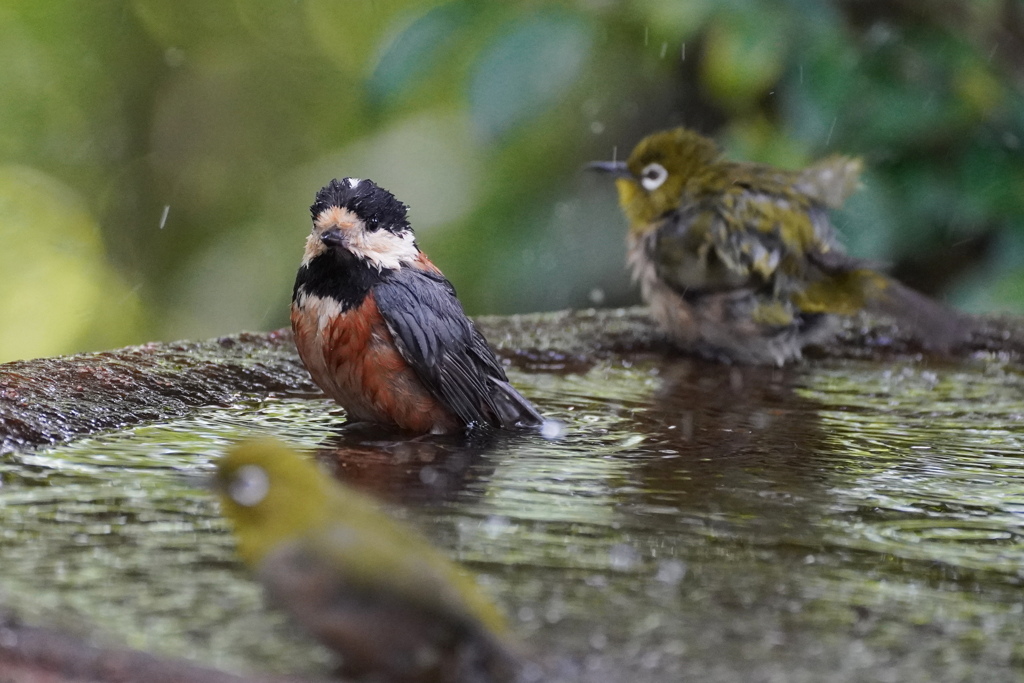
840,521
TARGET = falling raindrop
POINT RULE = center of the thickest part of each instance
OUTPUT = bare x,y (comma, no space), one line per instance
553,430
622,557
174,57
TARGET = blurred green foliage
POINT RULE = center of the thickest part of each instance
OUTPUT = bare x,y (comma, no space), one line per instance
157,159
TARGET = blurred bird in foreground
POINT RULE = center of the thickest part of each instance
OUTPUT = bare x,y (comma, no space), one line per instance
739,262
361,583
380,330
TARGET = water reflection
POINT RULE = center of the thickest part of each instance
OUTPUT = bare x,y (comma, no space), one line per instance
846,521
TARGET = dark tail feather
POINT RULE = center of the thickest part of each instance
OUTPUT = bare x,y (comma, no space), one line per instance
511,409
937,327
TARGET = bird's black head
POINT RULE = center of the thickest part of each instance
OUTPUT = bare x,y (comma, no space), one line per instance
374,205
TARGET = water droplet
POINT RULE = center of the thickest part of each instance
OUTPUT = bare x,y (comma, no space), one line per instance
174,57
496,525
622,557
670,571
651,660
554,613
631,441
8,638
553,430
429,475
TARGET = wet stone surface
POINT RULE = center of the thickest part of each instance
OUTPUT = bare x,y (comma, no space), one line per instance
53,400
845,519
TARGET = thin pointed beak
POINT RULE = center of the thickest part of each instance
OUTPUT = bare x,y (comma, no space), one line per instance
332,238
617,169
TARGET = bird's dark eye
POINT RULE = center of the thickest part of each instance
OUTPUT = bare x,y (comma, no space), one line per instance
653,176
372,223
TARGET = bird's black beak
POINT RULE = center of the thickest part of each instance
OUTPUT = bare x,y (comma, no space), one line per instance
617,169
332,238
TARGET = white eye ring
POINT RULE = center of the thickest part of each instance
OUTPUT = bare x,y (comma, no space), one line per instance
653,176
249,486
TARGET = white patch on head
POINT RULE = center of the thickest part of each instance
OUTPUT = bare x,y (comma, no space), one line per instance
381,248
385,249
249,485
352,182
653,176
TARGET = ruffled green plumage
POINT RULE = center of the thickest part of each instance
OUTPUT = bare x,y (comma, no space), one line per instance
740,261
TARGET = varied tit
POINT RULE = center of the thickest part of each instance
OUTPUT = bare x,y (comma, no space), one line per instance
380,330
739,262
364,585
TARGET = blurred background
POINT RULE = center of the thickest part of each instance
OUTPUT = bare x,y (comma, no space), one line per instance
157,159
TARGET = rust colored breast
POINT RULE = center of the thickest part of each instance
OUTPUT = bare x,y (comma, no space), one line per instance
351,355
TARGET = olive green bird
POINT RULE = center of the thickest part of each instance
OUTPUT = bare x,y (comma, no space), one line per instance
373,590
740,262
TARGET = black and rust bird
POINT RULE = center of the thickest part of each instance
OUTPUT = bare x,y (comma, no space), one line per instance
380,330
740,262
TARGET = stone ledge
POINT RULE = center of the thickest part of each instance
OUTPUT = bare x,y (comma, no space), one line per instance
53,400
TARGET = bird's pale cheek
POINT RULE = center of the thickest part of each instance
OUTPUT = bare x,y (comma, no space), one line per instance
314,247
